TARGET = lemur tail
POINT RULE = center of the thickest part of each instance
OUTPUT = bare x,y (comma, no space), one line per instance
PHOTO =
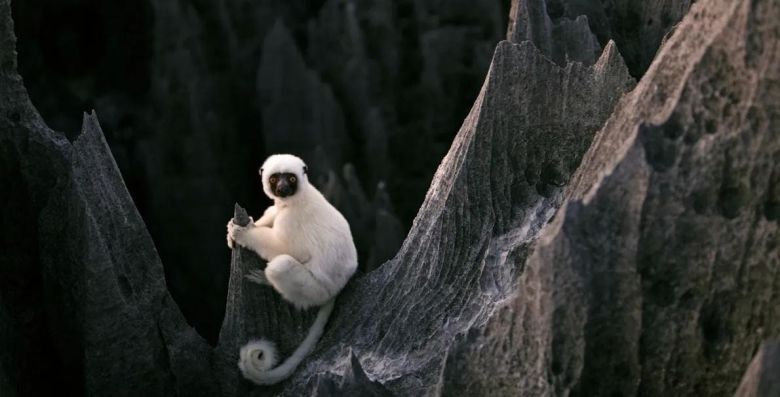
258,358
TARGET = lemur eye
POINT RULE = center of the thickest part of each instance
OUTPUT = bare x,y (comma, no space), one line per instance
272,180
293,179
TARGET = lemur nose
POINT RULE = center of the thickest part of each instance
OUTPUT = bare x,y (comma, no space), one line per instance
283,190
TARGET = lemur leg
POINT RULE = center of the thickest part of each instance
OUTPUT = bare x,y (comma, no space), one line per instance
257,276
295,282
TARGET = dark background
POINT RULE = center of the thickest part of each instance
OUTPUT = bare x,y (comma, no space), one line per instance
192,96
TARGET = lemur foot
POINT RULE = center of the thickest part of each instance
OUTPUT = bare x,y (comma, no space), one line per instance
258,277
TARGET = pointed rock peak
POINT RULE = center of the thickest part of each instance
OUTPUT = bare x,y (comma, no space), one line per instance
611,62
357,373
382,198
90,129
280,49
357,381
610,53
280,34
582,20
354,382
282,68
89,120
528,20
507,49
240,217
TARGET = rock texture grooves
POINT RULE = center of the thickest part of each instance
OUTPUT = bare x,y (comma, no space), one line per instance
662,270
571,243
498,185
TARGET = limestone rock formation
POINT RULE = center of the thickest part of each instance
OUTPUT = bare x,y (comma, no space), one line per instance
571,30
564,40
481,215
84,298
582,236
662,269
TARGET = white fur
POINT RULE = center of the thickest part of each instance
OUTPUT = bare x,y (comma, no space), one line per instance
257,355
310,254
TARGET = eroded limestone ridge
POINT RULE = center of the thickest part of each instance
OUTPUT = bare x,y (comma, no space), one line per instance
657,276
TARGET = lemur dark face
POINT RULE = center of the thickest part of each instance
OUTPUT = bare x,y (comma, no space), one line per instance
283,184
283,176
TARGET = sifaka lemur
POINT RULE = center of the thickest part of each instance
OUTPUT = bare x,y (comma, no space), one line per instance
310,254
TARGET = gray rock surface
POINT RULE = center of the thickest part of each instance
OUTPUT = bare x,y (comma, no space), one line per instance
480,216
658,275
762,377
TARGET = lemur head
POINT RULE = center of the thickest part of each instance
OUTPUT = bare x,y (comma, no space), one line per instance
283,176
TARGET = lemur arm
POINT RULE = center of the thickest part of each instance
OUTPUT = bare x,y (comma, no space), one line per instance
260,239
268,217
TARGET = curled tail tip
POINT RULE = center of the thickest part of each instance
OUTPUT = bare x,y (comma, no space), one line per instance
257,355
258,358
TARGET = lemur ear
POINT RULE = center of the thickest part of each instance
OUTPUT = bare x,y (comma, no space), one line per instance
305,169
261,172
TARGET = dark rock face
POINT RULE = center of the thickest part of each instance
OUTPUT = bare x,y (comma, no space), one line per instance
378,233
572,29
563,40
85,295
638,25
574,240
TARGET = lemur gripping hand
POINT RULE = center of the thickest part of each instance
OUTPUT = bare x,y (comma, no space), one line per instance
237,233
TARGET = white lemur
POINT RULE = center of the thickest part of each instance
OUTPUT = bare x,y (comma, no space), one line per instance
310,254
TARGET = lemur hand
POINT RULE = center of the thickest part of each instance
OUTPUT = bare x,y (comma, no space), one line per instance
237,234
